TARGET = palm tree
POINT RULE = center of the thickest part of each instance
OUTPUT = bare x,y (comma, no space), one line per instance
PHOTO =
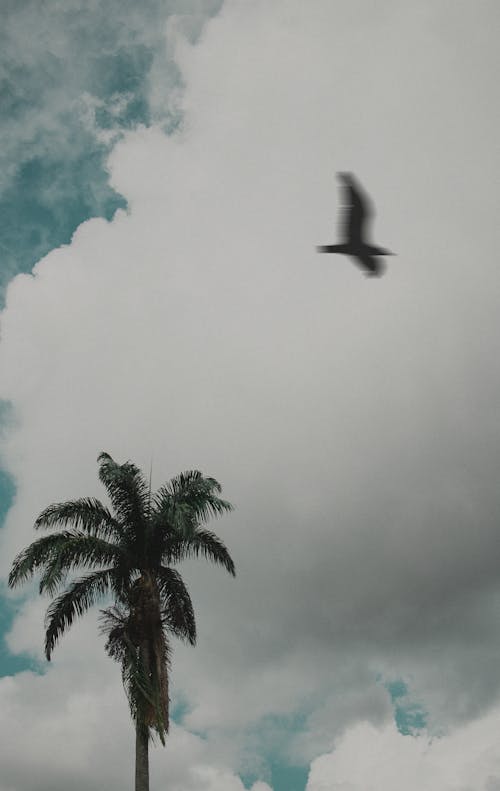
129,551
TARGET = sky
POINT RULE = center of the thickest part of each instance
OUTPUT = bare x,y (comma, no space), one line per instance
166,175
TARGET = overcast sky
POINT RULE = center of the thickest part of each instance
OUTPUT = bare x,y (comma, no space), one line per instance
182,316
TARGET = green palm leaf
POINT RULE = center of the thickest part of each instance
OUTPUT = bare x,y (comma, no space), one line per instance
86,514
190,497
200,542
177,607
57,554
82,594
128,490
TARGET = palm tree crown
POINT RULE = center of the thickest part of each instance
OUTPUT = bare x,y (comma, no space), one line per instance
129,552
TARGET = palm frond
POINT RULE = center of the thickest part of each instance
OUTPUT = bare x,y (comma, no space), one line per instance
120,646
159,664
144,669
200,542
77,551
82,594
87,514
57,554
190,496
177,608
127,489
115,624
181,506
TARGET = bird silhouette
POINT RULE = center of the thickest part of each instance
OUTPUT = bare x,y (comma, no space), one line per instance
357,211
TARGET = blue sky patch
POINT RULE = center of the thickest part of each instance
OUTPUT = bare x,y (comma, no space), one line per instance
410,717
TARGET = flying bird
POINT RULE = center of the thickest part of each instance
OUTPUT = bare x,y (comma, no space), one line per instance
356,213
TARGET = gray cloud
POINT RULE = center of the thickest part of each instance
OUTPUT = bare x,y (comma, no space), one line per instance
353,423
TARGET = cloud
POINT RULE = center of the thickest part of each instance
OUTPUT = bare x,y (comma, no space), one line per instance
368,759
63,726
73,77
353,423
209,779
61,715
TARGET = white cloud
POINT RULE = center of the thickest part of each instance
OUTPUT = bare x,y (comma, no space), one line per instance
72,725
368,759
354,423
209,779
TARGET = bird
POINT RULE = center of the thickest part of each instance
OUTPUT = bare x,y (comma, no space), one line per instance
358,209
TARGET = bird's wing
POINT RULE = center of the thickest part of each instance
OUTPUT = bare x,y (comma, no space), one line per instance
357,211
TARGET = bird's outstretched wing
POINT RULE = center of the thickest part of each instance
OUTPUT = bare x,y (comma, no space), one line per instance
357,211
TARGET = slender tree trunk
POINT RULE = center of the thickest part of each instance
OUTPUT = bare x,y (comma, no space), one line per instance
141,758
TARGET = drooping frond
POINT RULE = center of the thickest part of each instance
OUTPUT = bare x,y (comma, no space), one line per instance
86,514
128,491
120,646
114,622
82,594
177,607
144,668
57,554
157,714
200,542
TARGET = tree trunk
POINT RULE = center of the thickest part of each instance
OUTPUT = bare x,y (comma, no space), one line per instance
141,758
